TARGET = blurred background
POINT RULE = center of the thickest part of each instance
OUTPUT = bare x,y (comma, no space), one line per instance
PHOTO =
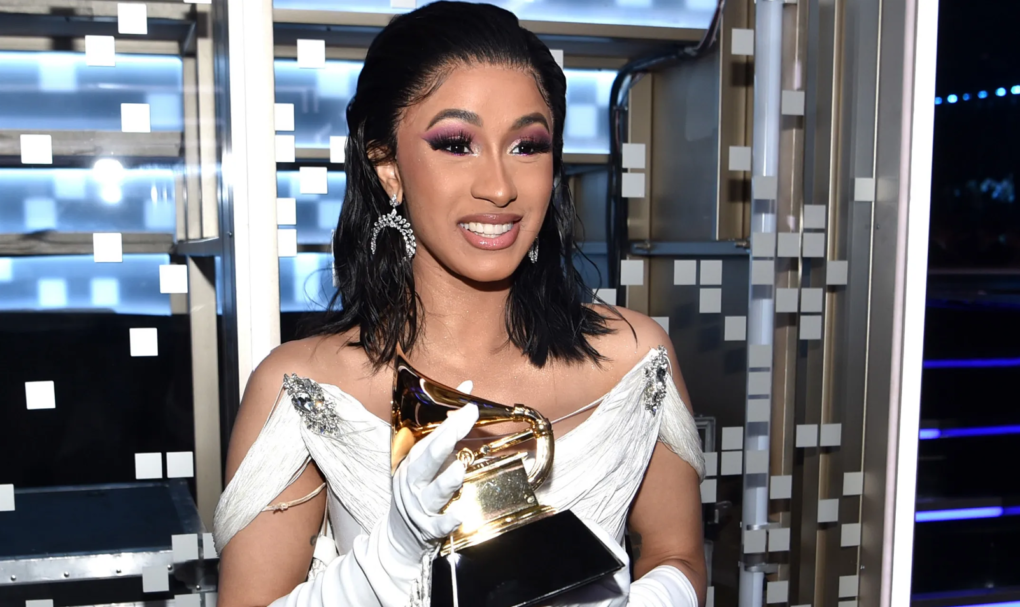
127,274
970,420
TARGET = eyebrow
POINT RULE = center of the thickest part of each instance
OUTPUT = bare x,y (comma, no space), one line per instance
535,118
466,116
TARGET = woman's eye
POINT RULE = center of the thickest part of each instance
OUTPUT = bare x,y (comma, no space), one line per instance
530,148
458,147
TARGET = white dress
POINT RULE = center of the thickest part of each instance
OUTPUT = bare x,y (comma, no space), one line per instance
597,467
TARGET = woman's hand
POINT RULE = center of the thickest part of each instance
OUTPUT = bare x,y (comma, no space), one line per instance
419,495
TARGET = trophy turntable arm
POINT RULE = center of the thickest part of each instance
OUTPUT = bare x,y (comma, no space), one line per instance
540,430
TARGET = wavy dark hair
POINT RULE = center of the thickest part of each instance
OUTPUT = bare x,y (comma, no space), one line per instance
408,60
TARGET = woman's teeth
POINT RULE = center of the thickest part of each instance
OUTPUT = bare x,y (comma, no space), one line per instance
487,229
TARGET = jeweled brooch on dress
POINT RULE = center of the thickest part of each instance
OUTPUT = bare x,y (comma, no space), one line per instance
656,376
310,401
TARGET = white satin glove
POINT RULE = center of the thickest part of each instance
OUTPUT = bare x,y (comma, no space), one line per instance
663,586
384,567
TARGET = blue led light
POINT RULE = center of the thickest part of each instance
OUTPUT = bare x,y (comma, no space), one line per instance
999,92
972,363
1006,604
931,433
984,431
958,514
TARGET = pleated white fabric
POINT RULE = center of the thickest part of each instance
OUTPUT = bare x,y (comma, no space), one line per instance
597,469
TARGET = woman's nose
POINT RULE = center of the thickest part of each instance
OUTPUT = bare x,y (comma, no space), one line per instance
494,183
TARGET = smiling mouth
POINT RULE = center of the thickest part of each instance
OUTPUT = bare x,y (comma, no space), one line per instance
487,229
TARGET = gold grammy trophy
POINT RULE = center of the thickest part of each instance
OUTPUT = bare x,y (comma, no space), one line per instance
510,550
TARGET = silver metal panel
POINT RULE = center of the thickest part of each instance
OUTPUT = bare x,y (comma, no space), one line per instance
79,243
715,372
205,383
78,567
685,151
161,144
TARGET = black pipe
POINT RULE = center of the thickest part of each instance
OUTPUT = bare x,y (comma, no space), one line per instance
616,204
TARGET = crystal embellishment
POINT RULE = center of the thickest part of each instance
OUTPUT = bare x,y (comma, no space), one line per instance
656,376
310,401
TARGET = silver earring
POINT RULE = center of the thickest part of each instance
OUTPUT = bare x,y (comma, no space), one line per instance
533,252
392,220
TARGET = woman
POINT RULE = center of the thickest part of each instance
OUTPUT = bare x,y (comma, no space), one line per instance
455,244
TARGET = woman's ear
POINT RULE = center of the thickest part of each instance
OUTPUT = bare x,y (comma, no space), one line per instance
389,176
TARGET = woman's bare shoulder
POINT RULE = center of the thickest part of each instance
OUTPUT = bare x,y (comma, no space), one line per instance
323,358
632,335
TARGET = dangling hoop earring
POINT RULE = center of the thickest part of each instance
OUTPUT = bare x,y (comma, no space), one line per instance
533,252
392,220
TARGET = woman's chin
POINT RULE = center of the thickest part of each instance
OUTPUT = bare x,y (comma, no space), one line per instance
486,271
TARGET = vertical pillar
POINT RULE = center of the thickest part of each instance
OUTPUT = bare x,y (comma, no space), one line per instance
251,307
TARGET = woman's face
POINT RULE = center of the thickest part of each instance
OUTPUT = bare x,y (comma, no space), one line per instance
475,169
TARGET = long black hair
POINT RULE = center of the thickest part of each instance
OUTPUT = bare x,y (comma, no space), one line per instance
409,58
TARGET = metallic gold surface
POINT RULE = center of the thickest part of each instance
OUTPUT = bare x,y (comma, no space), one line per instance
498,493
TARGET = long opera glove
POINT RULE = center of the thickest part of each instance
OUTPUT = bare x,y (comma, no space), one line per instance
388,567
663,586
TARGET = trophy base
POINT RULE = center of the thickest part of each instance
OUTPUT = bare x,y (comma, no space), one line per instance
526,566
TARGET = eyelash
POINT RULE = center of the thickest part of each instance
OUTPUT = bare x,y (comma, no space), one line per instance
446,142
464,141
538,146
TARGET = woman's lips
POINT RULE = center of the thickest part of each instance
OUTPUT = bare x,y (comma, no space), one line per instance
491,242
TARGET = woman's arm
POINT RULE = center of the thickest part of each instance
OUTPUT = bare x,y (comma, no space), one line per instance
270,557
667,510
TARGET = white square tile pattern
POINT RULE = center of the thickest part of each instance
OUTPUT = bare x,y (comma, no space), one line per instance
180,464
6,498
107,247
633,156
780,487
148,466
36,149
853,483
732,438
740,158
735,328
144,341
708,491
710,301
311,54
283,116
134,118
685,272
742,42
847,586
763,244
754,541
732,463
828,511
632,272
40,395
633,185
173,278
100,51
807,436
777,592
132,18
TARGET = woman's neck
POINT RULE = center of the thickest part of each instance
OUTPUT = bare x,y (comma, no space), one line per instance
463,321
